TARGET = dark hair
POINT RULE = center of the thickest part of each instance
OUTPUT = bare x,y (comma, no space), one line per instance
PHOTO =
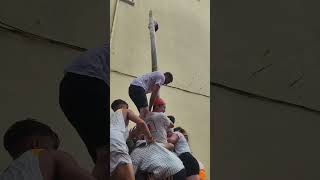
172,119
18,132
169,77
117,103
182,131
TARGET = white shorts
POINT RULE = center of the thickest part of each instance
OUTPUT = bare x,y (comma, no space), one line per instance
118,158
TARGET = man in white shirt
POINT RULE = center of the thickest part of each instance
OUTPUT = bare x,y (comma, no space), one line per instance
147,83
33,147
120,161
159,123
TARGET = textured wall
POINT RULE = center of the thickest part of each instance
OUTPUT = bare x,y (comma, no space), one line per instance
30,70
257,139
268,48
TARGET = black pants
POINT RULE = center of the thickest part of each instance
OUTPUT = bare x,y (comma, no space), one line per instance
181,175
138,96
190,164
85,102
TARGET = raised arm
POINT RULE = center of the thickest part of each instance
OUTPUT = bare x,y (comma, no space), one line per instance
140,125
173,138
154,95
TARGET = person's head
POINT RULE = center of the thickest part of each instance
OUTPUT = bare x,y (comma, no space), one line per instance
29,134
182,131
169,132
172,119
119,104
168,77
159,105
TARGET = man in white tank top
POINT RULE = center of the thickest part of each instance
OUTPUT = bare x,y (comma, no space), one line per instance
120,161
33,147
159,123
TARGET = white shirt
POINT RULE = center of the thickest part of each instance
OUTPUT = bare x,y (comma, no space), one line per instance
93,63
181,145
158,124
156,159
147,81
26,167
118,132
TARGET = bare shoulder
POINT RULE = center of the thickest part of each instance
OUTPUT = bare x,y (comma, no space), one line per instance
55,157
46,164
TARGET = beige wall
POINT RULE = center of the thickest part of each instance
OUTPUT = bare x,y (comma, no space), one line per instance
269,48
30,70
183,49
257,139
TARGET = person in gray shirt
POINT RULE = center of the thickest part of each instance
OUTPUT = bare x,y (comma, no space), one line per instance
84,99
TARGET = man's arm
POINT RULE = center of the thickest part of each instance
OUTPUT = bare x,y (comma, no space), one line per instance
173,138
140,124
154,95
168,146
66,168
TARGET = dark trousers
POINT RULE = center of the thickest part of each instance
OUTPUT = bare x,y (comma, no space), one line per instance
85,102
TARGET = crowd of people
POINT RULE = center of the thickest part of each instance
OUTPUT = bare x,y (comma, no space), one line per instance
153,149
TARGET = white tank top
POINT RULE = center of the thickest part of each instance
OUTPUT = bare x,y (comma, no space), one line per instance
118,131
26,167
182,145
158,124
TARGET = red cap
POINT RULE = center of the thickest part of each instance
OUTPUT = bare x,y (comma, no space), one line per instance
158,101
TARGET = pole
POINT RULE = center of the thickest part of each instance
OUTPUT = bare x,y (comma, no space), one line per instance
153,42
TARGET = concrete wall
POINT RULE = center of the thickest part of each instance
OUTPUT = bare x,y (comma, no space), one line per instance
269,48
257,139
183,49
30,69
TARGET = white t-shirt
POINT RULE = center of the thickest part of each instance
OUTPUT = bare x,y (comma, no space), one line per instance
147,81
93,63
118,132
181,145
26,167
158,124
156,159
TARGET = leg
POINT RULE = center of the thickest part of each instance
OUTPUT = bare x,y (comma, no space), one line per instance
100,170
193,177
120,164
87,110
139,98
123,172
143,112
191,165
181,175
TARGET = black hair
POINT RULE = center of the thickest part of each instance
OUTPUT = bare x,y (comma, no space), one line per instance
169,77
115,105
172,119
182,131
17,133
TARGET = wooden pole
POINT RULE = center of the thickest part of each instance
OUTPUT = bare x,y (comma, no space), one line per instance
153,42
